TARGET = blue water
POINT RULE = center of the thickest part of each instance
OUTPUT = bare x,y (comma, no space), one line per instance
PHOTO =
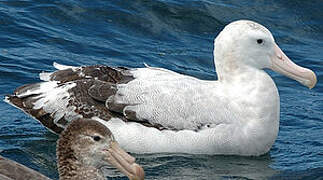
177,35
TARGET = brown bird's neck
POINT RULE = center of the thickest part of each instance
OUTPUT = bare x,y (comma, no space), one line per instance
70,168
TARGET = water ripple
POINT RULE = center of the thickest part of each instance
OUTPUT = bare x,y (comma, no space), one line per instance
177,35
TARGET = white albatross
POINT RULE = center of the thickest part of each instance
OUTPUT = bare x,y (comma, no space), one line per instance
151,110
83,148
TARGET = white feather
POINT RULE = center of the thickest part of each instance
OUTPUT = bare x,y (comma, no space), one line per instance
62,67
54,99
45,76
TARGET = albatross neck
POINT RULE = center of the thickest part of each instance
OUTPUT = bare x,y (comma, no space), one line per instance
229,71
253,88
70,168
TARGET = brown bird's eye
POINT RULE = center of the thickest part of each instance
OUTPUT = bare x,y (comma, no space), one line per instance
96,138
260,41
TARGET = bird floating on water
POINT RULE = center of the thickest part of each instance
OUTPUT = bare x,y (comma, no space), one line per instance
153,110
83,148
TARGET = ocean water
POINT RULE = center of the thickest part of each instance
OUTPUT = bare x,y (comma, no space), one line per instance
176,35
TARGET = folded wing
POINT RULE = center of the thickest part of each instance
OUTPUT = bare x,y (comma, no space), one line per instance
151,96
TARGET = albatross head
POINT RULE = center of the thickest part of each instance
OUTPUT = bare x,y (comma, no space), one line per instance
88,143
247,44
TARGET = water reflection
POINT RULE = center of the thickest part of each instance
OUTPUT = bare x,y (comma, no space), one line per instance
177,166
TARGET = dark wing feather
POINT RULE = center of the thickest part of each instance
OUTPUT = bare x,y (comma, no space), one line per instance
92,86
97,72
101,91
79,101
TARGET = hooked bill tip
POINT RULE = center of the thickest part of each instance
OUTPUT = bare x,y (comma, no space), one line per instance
314,81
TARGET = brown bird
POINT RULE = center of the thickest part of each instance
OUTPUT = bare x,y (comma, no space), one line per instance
83,148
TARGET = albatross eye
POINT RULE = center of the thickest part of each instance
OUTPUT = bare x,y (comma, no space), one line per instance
96,138
260,41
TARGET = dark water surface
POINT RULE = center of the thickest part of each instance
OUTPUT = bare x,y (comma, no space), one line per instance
177,35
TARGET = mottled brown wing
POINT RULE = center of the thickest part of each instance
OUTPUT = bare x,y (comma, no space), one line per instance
96,72
70,93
